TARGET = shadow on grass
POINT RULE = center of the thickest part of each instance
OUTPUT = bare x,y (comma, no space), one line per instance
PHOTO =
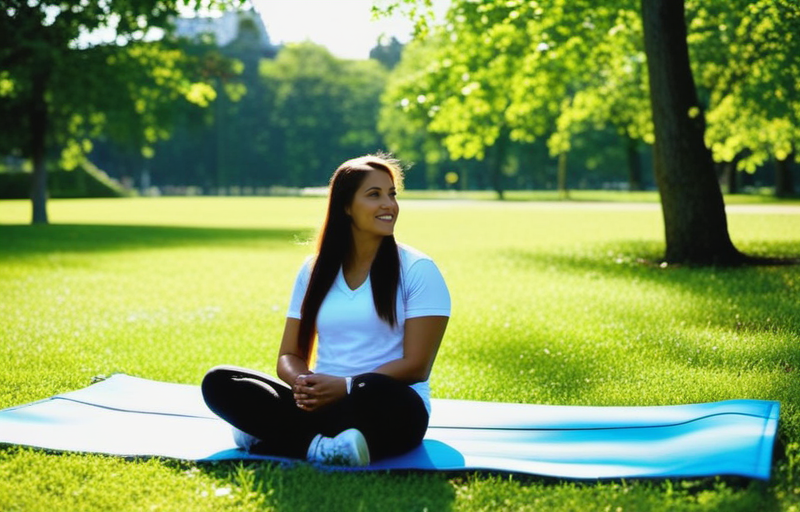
761,292
302,487
24,241
752,303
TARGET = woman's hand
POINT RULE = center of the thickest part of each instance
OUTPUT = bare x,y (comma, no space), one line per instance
315,390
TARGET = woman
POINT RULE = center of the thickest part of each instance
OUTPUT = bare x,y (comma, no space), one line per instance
378,311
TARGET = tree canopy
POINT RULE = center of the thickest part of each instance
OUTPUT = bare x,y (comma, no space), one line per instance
303,112
561,69
750,55
322,109
62,91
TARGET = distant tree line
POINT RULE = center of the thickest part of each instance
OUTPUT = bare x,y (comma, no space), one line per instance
288,115
502,95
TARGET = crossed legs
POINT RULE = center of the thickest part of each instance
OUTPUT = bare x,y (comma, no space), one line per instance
390,414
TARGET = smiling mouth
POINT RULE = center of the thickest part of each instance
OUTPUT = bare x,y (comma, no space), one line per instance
385,217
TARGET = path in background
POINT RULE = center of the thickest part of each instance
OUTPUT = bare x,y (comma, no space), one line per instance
588,205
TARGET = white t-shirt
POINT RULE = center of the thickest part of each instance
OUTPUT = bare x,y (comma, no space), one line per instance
351,337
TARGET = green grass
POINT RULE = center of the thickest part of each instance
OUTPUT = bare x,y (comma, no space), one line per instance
553,303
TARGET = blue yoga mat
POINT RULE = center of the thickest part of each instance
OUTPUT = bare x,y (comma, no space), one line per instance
129,416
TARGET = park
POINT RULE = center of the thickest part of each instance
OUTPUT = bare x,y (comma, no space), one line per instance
555,304
681,288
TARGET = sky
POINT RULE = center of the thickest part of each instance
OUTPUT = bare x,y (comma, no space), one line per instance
344,27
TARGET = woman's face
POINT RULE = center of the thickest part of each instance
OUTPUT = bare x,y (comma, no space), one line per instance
374,207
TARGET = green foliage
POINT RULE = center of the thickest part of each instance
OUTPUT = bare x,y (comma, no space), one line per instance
62,92
749,61
556,304
206,147
498,76
323,110
516,64
121,89
403,119
612,89
297,115
132,95
563,69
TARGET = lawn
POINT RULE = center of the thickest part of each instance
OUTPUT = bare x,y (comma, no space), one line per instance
553,303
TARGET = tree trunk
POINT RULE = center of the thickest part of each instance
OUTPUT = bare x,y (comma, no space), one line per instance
501,149
220,125
38,118
563,188
634,163
784,181
731,176
695,225
463,178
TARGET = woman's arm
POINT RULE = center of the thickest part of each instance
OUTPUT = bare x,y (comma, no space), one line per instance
421,340
291,362
311,390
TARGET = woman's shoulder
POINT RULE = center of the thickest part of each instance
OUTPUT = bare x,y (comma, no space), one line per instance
409,255
414,261
422,282
308,266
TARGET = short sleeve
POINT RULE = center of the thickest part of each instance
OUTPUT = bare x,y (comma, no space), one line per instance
425,292
299,290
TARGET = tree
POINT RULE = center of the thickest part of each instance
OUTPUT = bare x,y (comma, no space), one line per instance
404,120
298,113
57,88
613,91
457,97
168,141
749,55
500,75
321,111
238,160
691,200
567,62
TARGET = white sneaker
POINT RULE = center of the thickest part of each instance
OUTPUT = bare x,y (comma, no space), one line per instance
348,448
243,440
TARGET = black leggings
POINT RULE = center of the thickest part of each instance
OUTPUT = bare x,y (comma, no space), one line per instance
390,414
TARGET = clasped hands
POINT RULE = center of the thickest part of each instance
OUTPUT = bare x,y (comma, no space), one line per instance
315,390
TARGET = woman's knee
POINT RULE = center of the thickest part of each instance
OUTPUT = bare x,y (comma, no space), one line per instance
214,386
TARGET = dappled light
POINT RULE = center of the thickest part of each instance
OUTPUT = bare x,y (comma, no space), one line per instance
553,304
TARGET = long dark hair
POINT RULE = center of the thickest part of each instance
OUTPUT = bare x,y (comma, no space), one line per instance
336,242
